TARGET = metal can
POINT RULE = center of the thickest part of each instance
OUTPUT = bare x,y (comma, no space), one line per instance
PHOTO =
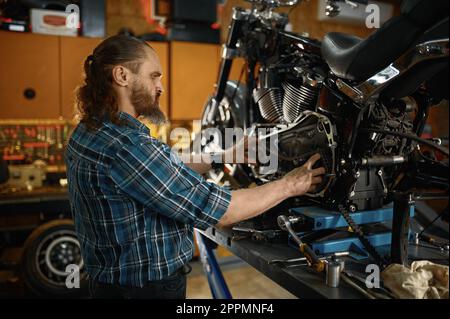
333,274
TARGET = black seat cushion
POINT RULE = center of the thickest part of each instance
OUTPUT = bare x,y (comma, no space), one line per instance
354,59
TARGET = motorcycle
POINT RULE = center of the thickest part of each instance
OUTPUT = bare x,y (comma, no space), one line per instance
361,103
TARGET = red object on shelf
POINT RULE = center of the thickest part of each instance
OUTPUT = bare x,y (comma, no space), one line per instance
215,26
36,144
13,157
6,20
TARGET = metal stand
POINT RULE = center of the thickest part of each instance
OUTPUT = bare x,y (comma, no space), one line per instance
403,208
217,284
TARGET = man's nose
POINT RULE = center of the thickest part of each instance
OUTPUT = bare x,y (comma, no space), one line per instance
159,89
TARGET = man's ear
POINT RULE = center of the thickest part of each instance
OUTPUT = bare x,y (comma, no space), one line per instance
121,76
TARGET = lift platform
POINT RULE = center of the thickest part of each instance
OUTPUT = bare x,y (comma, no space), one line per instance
328,230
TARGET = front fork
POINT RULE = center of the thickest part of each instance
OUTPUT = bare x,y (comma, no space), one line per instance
240,16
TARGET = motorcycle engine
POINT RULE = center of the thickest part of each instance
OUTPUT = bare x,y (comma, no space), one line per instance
289,105
295,143
290,108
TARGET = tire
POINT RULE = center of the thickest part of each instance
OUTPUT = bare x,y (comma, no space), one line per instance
47,252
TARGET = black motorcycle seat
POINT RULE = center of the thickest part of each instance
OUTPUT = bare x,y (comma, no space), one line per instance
356,59
339,51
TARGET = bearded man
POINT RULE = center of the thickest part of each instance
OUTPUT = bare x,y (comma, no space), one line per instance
134,203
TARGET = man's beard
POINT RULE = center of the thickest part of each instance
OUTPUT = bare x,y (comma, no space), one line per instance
146,105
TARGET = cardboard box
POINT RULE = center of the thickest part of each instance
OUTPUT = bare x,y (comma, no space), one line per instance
52,22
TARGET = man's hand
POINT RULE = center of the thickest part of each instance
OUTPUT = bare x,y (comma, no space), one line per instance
304,179
248,203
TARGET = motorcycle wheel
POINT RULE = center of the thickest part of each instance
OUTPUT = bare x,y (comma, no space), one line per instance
47,252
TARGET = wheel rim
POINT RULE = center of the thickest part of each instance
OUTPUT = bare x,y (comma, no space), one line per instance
55,252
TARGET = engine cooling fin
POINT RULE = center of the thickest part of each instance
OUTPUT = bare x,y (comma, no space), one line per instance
270,102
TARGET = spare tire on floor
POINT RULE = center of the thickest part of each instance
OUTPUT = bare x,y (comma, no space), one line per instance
47,252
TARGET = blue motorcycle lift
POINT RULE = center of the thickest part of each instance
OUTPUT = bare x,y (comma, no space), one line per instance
327,231
217,284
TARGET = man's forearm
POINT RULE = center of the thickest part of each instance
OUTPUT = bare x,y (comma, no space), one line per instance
248,203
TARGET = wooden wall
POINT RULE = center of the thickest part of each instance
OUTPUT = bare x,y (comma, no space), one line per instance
51,67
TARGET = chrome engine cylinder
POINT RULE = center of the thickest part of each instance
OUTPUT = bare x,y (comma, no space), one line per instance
270,102
297,99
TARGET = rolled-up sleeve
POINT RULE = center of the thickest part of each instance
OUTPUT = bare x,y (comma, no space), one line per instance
147,171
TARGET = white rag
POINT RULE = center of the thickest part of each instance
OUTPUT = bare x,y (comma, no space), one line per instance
424,280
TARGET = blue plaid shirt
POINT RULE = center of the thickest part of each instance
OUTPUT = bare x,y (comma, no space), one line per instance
135,204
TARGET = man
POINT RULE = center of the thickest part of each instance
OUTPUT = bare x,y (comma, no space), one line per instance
134,203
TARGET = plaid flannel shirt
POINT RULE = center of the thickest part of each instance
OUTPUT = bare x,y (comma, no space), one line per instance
135,204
